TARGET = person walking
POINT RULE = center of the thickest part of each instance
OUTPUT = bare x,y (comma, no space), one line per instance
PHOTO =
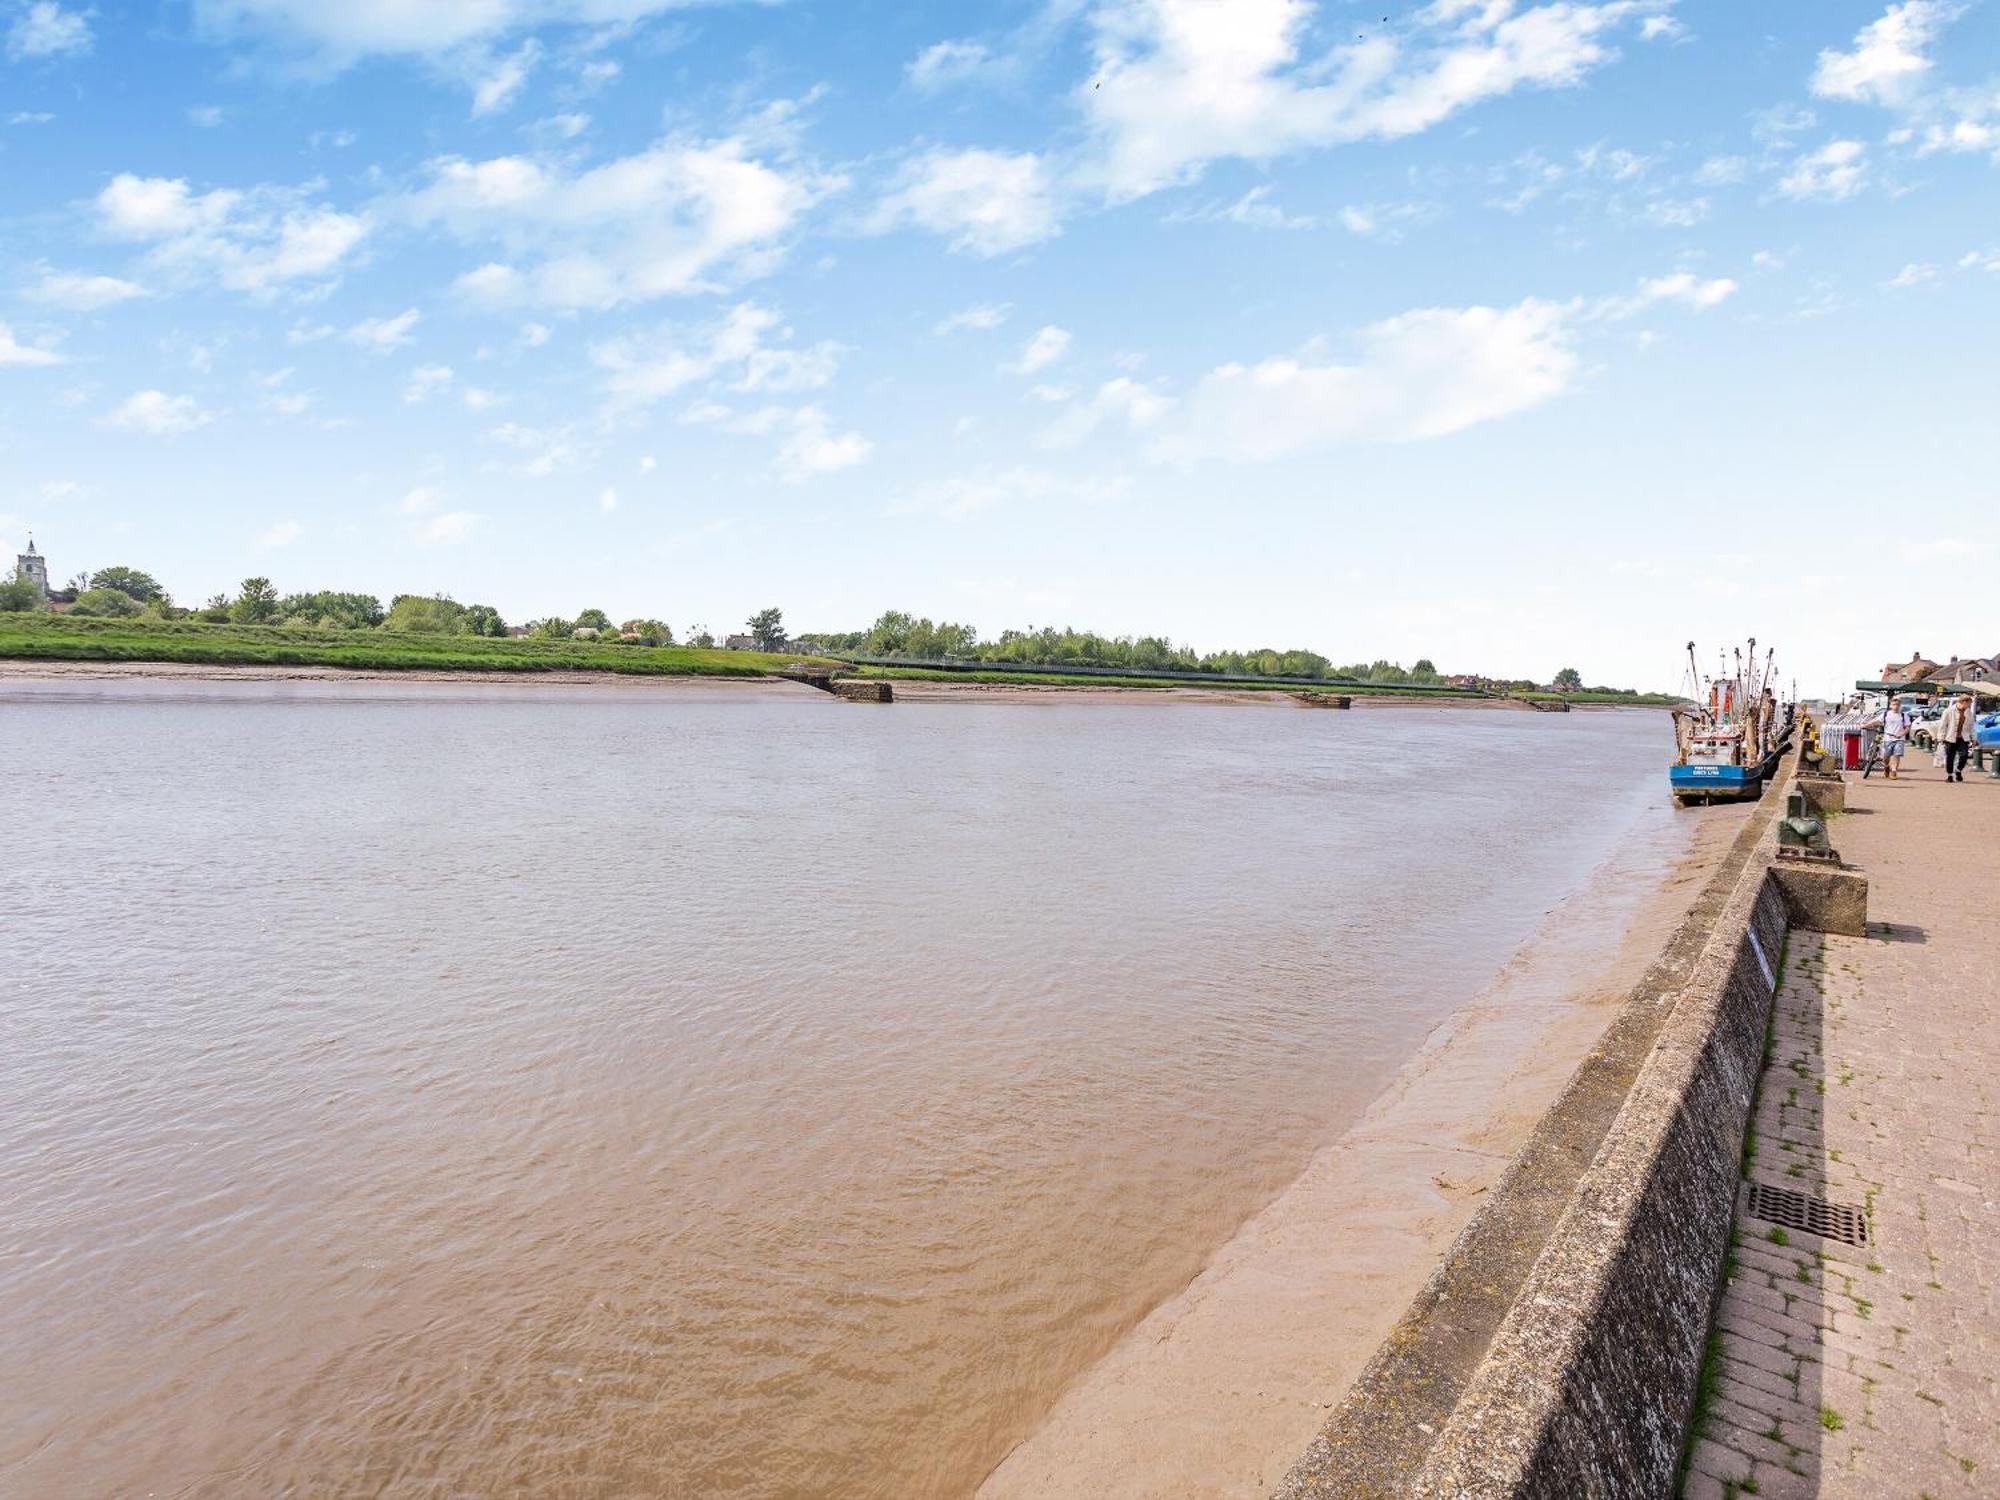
1895,736
1955,734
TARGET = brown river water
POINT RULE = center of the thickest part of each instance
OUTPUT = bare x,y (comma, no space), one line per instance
436,1089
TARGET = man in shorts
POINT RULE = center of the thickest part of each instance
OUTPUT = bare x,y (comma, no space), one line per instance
1895,736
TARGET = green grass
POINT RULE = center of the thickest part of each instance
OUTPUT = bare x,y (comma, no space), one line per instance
69,638
1056,677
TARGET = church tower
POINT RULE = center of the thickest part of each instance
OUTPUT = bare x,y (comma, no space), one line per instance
32,567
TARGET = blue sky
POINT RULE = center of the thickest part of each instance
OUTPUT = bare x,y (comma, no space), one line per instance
1511,335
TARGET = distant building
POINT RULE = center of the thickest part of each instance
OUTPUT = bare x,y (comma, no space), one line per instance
1968,669
741,643
1916,669
32,567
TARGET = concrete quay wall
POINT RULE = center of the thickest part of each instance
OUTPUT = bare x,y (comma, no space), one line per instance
1556,1351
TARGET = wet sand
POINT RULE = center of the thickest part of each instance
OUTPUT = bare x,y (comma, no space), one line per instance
1218,1390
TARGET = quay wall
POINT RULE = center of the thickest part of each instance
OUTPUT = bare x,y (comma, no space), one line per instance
1556,1351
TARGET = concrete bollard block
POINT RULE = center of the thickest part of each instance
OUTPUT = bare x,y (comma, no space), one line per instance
1824,794
1823,897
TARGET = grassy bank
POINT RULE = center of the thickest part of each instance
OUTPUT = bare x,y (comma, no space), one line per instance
1059,678
69,638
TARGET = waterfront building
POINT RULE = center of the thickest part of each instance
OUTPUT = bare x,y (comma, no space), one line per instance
1916,669
32,567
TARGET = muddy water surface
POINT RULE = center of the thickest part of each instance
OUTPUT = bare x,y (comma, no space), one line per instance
437,1090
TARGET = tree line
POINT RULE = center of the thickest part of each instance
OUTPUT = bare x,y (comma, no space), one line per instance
124,592
899,634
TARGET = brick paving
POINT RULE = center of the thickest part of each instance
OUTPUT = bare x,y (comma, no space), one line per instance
1870,1371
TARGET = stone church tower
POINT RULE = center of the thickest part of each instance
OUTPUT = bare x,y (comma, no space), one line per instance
32,567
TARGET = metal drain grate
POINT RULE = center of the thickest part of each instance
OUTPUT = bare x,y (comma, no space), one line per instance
1833,1221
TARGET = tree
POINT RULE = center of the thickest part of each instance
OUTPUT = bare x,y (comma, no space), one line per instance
216,611
257,604
554,628
107,603
1424,671
767,628
698,635
1569,680
649,632
484,619
141,586
593,619
344,611
426,614
19,597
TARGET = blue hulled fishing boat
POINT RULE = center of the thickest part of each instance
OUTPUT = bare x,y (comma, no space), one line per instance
1728,744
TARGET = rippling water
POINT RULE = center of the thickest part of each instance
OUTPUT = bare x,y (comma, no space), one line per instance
449,1090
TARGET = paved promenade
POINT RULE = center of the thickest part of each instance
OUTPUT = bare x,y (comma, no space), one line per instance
1869,1371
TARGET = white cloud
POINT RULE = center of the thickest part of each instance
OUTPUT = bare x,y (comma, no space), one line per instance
496,90
158,414
1682,287
648,463
813,447
1913,274
1675,213
342,31
444,528
1423,374
431,524
30,117
807,443
534,335
383,334
253,241
1386,221
1181,83
45,29
76,291
281,535
1047,346
1722,171
946,63
425,382
1834,172
747,350
1980,260
1254,210
984,316
551,448
206,116
13,352
684,215
1124,403
1888,62
1656,28
983,202
608,501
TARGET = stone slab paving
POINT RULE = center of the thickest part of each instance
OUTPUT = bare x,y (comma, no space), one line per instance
1870,1371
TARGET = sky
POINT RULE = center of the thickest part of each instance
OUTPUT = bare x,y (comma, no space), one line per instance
1511,335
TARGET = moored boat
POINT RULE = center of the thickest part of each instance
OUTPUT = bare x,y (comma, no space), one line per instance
1728,744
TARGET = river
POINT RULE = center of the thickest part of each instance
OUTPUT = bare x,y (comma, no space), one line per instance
438,1089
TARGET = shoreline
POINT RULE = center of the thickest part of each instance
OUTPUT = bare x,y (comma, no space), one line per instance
1214,1393
907,690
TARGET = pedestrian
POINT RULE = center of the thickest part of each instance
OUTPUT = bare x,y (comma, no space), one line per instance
1955,734
1895,735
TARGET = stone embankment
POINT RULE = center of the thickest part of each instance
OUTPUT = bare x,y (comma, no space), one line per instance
1558,1350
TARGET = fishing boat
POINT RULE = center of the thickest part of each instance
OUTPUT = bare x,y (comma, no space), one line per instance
1727,744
